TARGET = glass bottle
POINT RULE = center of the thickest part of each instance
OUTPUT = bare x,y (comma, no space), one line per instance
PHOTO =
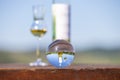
61,19
60,53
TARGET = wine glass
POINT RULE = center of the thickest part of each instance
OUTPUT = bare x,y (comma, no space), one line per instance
38,29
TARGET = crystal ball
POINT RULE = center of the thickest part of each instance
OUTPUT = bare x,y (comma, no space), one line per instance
60,53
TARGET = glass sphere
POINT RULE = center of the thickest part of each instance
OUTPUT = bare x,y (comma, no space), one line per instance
60,53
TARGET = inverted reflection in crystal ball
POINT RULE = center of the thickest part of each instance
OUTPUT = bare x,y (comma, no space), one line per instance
60,53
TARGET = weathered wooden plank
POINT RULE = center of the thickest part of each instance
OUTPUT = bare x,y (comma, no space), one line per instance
73,72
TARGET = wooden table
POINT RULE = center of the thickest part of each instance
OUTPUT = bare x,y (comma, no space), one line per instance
73,72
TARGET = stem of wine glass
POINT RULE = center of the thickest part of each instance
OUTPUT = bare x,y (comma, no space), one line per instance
37,50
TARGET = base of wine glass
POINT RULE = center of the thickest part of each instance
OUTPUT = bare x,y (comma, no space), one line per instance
38,62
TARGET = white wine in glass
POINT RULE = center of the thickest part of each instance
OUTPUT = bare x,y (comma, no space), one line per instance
38,32
38,29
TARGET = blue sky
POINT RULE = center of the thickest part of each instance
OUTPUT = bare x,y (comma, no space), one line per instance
94,23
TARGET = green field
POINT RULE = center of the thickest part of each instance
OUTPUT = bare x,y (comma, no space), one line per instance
81,57
98,57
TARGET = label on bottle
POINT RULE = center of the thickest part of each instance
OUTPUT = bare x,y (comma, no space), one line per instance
61,21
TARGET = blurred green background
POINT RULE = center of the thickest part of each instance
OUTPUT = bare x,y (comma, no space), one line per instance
81,57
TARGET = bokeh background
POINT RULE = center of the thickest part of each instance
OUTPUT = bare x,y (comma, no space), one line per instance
95,31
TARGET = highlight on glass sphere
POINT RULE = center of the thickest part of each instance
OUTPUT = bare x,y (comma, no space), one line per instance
60,53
